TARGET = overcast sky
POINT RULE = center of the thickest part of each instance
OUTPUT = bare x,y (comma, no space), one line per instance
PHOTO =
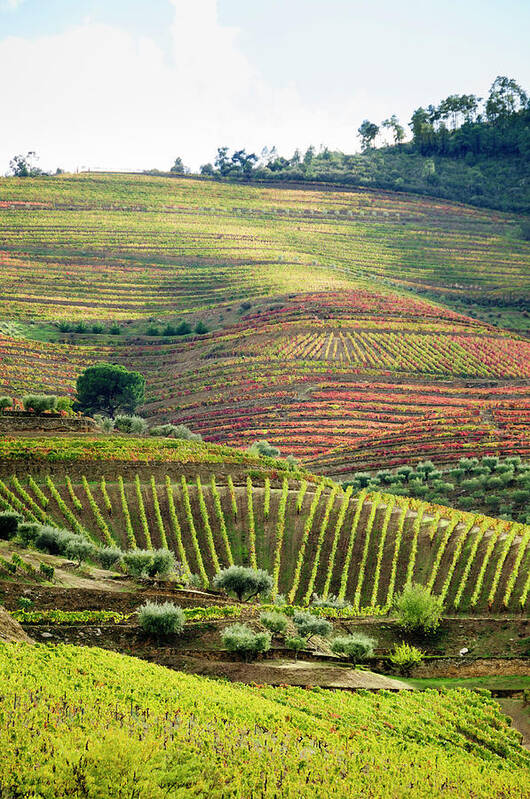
131,84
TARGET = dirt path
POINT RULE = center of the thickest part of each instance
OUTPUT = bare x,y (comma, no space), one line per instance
520,717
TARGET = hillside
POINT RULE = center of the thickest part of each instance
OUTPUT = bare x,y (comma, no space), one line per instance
111,721
322,328
312,536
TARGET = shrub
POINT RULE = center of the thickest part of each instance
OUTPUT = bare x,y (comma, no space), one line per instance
494,482
427,467
164,430
355,647
243,581
521,496
149,562
114,330
138,562
9,522
404,657
291,462
130,424
47,571
418,610
152,330
27,532
97,328
491,461
241,639
466,502
331,601
163,563
183,329
24,602
201,329
161,620
80,549
297,643
5,402
307,625
64,404
184,433
53,540
275,622
262,447
109,556
39,402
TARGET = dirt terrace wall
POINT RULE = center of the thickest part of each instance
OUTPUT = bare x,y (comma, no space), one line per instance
95,470
30,423
468,667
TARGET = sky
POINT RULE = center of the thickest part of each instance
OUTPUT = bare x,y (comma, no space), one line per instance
132,84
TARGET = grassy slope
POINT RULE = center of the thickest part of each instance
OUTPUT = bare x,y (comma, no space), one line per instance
111,721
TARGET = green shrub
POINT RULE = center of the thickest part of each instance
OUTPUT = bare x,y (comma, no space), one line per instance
307,625
80,549
24,602
53,540
183,329
292,463
64,404
161,620
241,639
97,328
5,402
491,461
39,402
27,532
331,601
130,424
494,482
426,467
297,643
466,502
163,430
276,623
521,496
163,563
243,581
356,647
418,610
262,447
152,330
149,562
109,557
201,329
138,562
404,657
9,522
47,571
114,330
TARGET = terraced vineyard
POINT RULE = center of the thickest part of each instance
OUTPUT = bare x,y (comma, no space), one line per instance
311,535
321,335
113,720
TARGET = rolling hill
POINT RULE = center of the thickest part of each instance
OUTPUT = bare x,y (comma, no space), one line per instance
322,332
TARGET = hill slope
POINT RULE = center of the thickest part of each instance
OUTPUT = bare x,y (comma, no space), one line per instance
113,722
321,330
312,536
